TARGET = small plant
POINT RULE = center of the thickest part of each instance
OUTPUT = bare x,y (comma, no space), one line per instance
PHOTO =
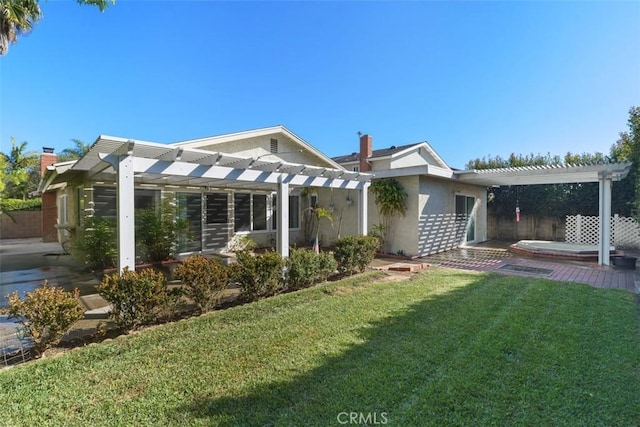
258,276
46,313
98,242
204,280
379,231
137,298
304,268
355,253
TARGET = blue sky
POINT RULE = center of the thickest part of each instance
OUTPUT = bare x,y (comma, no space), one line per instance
471,78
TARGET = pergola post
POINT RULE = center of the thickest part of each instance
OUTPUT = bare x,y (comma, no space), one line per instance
125,209
363,207
604,205
283,218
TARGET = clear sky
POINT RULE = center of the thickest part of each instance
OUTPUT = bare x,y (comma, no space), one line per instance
471,78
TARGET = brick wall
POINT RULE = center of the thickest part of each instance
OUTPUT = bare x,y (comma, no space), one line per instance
28,224
48,229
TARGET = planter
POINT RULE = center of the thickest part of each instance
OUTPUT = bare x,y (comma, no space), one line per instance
625,262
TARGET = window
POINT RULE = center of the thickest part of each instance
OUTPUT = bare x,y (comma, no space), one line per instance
274,145
190,208
464,209
356,168
294,212
242,211
217,208
105,204
259,211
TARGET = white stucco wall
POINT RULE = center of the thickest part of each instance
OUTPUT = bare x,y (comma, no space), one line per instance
438,227
413,158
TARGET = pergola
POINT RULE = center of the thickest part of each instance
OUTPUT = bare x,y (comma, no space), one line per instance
138,162
604,174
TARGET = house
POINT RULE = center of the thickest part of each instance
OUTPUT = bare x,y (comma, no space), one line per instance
240,184
447,208
443,212
249,183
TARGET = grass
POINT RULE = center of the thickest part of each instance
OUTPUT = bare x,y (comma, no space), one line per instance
445,348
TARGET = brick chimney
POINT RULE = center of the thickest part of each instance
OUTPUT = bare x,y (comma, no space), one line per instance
366,150
47,158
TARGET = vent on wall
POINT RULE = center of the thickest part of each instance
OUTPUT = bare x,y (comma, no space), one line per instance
274,145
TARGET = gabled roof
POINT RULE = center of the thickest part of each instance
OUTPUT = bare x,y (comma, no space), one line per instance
392,152
383,152
273,130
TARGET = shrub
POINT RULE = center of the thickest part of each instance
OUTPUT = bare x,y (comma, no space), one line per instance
47,314
99,242
157,232
137,298
8,205
204,280
355,253
258,276
304,268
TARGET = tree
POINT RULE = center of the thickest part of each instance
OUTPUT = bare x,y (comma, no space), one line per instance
74,153
22,174
18,17
627,149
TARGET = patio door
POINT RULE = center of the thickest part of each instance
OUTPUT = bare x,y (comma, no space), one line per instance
464,209
216,226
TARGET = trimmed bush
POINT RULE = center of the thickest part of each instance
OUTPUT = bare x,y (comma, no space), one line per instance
46,313
8,205
257,275
137,298
204,280
355,253
304,268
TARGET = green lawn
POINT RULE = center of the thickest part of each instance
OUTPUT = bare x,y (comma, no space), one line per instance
445,348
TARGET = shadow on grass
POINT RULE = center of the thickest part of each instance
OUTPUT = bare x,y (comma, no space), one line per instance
491,352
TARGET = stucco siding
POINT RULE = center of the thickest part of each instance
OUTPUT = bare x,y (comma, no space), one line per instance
261,146
439,228
410,159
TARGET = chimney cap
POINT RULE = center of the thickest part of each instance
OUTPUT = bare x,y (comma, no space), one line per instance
48,150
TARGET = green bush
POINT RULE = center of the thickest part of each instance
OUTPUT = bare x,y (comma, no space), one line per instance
355,253
46,313
204,280
8,205
304,268
258,276
137,298
157,232
99,242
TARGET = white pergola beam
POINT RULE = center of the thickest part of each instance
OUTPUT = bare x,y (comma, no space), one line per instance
604,206
363,209
126,214
283,219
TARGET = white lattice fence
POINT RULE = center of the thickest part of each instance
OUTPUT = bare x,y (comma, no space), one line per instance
625,232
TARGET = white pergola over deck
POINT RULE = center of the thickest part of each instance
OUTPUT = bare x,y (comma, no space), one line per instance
138,162
604,174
